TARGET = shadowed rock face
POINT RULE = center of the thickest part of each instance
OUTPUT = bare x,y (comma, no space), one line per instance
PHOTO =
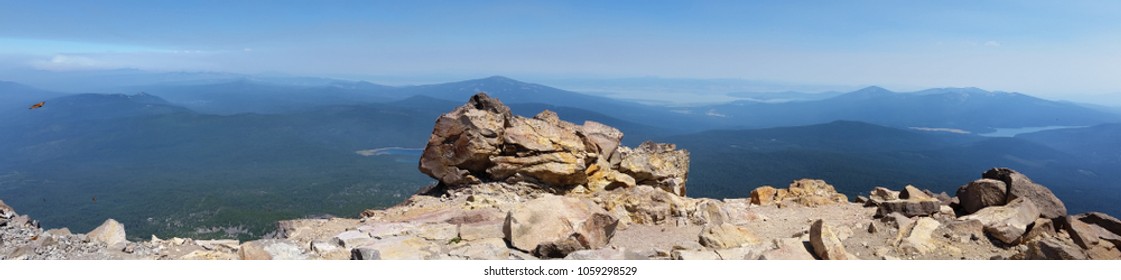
482,141
1020,186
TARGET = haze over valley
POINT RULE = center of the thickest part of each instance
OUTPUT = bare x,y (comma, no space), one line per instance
226,157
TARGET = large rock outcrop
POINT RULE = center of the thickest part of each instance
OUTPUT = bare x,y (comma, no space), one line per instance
482,141
806,192
1020,186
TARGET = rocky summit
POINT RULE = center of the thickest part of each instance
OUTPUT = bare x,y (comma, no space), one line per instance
511,187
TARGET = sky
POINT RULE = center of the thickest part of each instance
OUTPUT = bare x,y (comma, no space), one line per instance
1058,49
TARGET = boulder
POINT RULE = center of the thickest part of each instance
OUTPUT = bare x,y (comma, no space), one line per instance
980,194
913,193
1041,228
708,212
1006,223
1020,186
643,205
883,194
810,193
1092,230
764,195
659,165
726,236
110,232
825,242
919,241
966,230
482,141
1053,249
601,177
909,208
270,249
463,140
1102,220
554,226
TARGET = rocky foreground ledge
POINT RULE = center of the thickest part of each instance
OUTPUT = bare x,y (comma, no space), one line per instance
512,187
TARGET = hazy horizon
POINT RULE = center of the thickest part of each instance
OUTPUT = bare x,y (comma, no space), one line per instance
1062,51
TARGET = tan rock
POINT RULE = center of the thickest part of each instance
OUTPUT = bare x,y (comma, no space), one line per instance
1006,223
352,238
726,236
913,193
919,241
601,177
644,205
481,230
270,249
464,139
402,248
764,195
439,231
110,232
883,194
825,242
708,212
1041,228
661,166
482,249
555,226
787,249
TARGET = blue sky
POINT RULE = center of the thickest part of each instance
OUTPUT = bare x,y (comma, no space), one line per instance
1050,48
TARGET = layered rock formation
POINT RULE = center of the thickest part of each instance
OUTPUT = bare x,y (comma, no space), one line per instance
526,188
482,141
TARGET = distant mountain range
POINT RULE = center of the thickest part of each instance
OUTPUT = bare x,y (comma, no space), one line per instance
968,109
261,150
